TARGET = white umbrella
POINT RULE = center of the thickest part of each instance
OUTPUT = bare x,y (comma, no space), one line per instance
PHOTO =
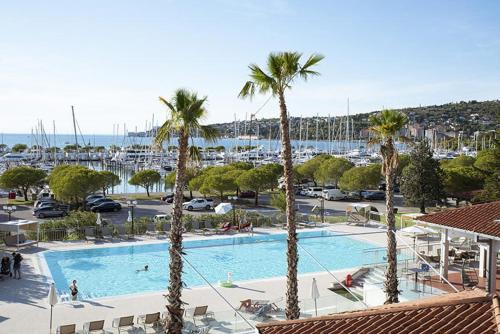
98,221
415,230
223,208
52,300
315,294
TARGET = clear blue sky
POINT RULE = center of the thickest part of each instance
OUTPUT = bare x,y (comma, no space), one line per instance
112,59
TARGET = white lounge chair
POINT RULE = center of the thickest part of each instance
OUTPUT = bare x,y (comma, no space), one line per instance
93,327
66,329
122,322
152,320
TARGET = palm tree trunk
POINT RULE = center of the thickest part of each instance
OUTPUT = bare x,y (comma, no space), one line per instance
389,155
292,300
174,307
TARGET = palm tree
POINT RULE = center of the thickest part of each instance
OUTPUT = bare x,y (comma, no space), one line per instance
385,126
185,110
282,70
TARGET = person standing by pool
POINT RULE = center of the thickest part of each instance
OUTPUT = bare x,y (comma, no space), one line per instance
17,257
74,290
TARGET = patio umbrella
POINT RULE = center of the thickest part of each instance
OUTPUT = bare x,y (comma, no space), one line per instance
52,299
223,208
415,231
98,221
315,294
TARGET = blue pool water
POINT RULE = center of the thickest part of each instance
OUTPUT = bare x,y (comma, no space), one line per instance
111,271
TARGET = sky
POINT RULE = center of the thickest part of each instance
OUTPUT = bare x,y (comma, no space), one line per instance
112,59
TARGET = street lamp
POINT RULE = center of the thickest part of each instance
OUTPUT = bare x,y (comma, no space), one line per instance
233,200
9,209
131,205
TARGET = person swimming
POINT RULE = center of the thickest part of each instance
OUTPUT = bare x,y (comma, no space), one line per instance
146,268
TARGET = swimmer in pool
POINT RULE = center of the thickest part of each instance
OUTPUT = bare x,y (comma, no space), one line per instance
146,267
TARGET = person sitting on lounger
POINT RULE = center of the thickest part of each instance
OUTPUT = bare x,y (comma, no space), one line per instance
146,268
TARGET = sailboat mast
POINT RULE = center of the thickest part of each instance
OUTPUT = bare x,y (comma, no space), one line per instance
76,137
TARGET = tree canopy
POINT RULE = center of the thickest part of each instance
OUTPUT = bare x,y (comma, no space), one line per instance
421,182
145,178
109,180
308,169
19,148
331,170
22,178
359,178
72,183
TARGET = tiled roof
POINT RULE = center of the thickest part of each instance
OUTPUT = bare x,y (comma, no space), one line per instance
466,312
480,218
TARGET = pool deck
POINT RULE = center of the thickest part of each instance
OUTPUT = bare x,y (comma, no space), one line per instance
24,309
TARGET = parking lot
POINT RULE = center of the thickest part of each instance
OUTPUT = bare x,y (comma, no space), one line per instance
153,206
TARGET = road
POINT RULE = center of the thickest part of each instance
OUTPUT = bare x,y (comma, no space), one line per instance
151,207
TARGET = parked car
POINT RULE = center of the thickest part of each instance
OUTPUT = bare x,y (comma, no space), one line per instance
382,187
166,197
107,206
314,192
97,201
373,195
170,200
44,202
247,194
93,197
355,195
198,204
333,194
51,211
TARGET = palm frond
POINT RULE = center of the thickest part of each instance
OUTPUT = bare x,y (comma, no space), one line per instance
194,153
168,104
209,133
163,133
248,90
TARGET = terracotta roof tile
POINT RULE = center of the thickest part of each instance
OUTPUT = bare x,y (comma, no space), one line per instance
466,312
480,218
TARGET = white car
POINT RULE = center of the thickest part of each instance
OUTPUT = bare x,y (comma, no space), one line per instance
198,204
314,192
333,194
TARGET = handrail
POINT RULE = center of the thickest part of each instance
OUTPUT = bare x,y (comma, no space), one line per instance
421,258
331,274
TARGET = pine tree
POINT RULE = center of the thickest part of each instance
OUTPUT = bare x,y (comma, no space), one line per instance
422,181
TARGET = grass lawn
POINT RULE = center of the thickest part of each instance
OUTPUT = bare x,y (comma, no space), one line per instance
135,197
19,202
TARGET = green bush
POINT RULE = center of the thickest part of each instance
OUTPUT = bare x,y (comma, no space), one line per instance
140,226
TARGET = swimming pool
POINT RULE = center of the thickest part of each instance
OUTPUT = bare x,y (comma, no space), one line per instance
112,271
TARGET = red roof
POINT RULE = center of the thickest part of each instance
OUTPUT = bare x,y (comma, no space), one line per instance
466,312
480,218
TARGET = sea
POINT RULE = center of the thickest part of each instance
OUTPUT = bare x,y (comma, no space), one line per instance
61,140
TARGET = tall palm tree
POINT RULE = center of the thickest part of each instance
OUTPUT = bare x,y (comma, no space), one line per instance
282,70
185,110
385,126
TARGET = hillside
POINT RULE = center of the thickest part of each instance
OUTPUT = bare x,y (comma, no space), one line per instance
450,118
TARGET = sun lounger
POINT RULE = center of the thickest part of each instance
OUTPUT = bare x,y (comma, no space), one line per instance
122,232
90,234
308,224
11,241
152,320
199,312
93,327
66,329
123,322
106,233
